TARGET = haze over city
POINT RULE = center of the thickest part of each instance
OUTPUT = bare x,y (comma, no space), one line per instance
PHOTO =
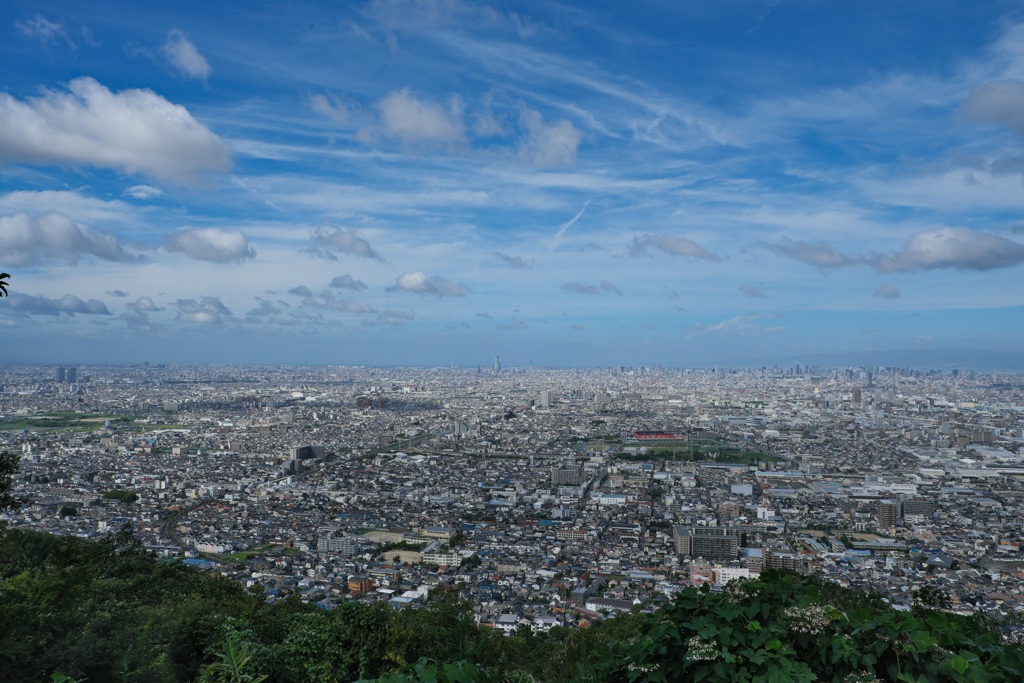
588,184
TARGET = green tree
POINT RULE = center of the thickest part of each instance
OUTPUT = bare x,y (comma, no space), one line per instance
9,465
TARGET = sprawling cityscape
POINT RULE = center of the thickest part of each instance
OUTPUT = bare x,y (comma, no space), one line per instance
551,496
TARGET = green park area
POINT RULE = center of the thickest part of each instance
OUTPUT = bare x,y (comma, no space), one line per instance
51,422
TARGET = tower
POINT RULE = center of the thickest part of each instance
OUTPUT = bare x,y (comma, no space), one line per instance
497,364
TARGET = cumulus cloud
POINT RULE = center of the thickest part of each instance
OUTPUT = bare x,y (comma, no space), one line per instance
609,287
139,320
206,311
143,305
301,290
671,245
52,236
516,324
325,301
69,304
1000,103
818,254
958,248
415,121
348,282
514,261
740,326
133,131
547,144
419,283
210,244
332,108
345,241
143,192
184,56
752,291
886,291
265,309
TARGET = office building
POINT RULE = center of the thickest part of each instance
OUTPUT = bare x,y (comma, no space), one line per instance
60,375
856,395
545,399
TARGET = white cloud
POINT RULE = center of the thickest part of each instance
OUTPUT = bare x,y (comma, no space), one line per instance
332,108
485,316
580,288
669,244
347,242
26,241
143,305
26,304
959,248
999,102
547,145
133,131
514,261
609,287
419,283
42,29
740,326
348,282
886,291
752,291
210,244
516,324
817,254
143,192
301,290
184,56
416,121
207,311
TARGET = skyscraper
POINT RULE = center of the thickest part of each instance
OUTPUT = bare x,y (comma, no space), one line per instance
497,364
73,375
856,395
60,375
545,399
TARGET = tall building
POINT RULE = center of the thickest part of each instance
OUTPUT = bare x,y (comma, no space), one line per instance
497,364
60,375
73,375
711,543
545,399
856,395
566,475
888,513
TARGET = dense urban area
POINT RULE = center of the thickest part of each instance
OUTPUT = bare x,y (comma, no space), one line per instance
554,497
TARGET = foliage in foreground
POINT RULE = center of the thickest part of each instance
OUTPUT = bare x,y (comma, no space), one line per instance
108,611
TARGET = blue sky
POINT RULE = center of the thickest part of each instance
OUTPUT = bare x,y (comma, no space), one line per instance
420,183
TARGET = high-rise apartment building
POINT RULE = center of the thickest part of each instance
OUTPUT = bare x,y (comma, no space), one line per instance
566,475
711,543
888,513
545,399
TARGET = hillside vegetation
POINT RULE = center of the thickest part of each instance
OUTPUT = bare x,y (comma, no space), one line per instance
108,611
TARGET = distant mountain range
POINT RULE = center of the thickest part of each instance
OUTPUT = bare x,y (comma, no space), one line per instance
963,359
